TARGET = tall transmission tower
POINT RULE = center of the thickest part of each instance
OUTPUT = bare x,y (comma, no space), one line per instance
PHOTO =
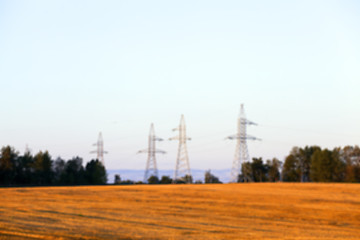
100,149
241,150
182,167
151,168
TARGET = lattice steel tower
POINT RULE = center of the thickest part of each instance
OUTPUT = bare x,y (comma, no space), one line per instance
151,168
100,149
241,150
182,167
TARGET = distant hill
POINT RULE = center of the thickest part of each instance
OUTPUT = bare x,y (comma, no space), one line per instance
138,175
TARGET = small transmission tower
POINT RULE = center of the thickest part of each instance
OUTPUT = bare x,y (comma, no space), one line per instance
100,149
182,167
151,168
241,151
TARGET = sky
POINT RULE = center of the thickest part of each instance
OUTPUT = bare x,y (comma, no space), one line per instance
72,69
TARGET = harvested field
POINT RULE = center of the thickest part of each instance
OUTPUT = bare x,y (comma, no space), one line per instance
224,211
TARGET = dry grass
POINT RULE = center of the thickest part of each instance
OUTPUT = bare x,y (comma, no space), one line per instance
229,211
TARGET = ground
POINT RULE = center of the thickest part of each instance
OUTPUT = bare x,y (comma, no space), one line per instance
219,211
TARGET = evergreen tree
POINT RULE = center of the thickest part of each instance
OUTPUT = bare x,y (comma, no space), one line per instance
153,180
273,167
59,171
259,170
289,171
304,156
24,174
8,160
210,178
95,173
246,173
74,172
326,166
117,179
165,180
43,169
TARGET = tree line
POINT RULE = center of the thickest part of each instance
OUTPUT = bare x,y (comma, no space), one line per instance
313,164
41,170
208,178
308,164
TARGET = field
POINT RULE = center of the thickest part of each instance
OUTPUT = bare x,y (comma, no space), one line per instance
228,211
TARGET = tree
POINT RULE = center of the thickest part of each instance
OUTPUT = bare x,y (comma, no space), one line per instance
74,172
165,180
117,179
127,182
210,178
273,167
95,173
289,171
24,171
188,179
326,166
298,163
304,156
43,168
59,171
246,173
350,155
153,180
259,170
185,179
7,165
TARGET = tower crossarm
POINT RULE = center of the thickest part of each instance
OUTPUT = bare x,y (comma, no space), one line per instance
95,151
157,139
177,138
143,151
160,151
152,151
247,137
250,122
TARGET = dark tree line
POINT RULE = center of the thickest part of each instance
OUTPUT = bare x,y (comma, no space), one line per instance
258,171
308,164
313,164
41,170
155,180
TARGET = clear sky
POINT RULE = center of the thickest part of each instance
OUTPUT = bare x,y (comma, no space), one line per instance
70,69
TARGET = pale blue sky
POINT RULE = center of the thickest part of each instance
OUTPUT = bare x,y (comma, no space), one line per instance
69,69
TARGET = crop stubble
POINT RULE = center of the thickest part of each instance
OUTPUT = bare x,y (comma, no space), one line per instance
219,211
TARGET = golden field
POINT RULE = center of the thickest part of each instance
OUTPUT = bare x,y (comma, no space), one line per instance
221,211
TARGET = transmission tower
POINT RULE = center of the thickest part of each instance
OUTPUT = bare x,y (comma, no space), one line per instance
241,150
100,149
151,168
182,167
